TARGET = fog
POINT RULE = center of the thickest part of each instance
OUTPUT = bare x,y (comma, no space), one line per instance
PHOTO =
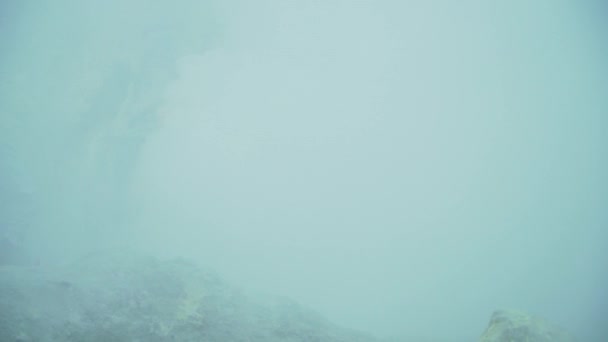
402,167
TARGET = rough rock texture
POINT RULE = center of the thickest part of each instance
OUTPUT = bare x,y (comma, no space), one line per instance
515,326
119,297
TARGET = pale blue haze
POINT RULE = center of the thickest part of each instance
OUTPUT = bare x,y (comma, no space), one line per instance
402,167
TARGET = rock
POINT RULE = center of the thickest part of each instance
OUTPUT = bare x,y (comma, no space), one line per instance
516,326
120,297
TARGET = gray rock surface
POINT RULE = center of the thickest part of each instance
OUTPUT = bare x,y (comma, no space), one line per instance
120,297
516,326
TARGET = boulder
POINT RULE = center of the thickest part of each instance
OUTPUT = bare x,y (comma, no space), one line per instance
517,326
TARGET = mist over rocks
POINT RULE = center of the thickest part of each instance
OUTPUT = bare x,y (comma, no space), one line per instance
125,297
122,296
400,167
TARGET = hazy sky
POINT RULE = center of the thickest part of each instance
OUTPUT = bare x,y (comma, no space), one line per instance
399,166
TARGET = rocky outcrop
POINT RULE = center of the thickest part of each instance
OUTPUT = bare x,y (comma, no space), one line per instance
120,297
516,326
